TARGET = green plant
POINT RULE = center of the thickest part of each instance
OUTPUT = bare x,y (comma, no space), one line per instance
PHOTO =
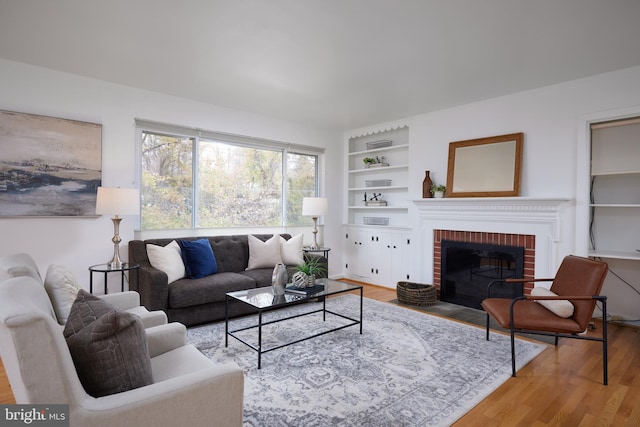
369,161
437,188
311,267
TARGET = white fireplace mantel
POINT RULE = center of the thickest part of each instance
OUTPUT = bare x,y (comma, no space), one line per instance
541,217
524,210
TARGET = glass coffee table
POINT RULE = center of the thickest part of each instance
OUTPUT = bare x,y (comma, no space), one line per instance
263,299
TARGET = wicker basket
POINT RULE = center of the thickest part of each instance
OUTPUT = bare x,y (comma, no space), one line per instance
416,294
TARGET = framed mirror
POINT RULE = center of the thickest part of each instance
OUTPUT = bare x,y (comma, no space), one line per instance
485,167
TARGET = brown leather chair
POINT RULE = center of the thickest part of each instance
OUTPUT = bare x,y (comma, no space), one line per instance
578,280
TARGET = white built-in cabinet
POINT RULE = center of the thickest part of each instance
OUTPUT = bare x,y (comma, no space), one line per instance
377,256
377,241
614,230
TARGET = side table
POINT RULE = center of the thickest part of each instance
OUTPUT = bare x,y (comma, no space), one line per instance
325,251
106,269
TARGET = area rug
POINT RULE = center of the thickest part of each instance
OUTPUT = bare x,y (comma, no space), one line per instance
469,315
406,369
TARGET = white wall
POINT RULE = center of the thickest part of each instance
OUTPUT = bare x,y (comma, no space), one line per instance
549,117
81,242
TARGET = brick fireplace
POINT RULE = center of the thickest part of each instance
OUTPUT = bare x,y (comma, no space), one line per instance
525,241
532,223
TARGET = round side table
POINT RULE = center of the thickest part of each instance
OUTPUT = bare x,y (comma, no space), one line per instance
106,269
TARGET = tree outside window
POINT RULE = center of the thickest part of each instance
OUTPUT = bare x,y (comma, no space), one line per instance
235,185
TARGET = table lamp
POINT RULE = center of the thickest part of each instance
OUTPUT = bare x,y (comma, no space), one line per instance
117,201
314,207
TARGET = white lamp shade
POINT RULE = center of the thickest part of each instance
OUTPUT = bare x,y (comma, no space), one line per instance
117,201
315,206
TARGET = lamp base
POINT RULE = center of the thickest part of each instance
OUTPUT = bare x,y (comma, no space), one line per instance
116,263
315,245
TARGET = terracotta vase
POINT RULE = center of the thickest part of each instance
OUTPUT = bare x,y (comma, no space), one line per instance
426,186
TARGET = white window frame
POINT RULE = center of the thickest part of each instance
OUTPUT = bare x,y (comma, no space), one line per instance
143,125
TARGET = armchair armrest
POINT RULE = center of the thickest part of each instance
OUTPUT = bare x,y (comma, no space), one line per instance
211,396
519,281
565,297
123,300
164,338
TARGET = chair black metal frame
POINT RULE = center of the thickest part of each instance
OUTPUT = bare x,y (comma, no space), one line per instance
557,335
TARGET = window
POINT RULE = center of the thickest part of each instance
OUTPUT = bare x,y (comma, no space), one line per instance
231,183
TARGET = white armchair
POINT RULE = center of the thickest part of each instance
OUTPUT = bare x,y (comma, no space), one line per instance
188,388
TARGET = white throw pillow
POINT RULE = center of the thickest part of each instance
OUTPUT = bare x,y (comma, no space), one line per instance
291,250
264,254
561,308
168,259
62,288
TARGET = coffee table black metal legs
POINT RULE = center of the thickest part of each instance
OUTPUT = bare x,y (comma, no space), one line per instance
261,323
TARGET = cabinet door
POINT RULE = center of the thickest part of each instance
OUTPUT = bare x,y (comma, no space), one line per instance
357,254
395,258
350,253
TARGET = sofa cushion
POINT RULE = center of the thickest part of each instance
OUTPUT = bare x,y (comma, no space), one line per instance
192,292
168,259
198,258
62,287
561,308
108,347
291,250
262,276
232,252
264,254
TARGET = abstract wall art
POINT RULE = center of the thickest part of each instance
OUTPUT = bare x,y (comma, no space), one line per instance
48,166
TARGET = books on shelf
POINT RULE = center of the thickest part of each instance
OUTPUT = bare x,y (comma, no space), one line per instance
304,291
375,203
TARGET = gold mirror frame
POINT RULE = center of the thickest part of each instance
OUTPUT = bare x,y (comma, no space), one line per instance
485,167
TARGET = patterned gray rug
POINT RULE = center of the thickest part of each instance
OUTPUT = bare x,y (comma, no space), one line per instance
406,369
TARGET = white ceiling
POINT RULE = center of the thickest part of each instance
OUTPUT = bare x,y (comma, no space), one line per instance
332,63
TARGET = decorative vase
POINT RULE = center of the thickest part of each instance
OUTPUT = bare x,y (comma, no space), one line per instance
279,279
299,280
438,194
426,186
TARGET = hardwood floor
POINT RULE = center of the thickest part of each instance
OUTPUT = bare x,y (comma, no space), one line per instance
561,387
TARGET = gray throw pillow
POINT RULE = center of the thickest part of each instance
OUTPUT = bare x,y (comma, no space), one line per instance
108,347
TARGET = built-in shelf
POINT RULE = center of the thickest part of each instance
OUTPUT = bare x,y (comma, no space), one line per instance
365,182
380,169
389,187
615,255
615,205
385,227
379,207
379,150
614,199
613,173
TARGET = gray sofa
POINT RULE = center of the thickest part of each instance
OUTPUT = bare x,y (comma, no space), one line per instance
195,301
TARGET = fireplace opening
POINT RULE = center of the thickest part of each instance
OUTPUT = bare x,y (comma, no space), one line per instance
467,268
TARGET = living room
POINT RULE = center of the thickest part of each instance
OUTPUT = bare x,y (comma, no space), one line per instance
553,114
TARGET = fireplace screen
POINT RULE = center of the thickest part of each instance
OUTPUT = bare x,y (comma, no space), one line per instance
468,268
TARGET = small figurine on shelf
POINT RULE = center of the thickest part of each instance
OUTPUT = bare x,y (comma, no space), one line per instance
375,200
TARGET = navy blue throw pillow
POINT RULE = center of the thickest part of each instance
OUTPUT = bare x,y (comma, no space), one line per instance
198,258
